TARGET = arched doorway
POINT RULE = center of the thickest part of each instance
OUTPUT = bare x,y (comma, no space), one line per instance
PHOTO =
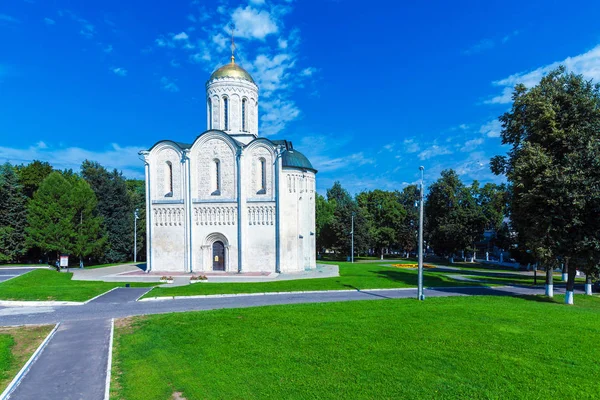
218,252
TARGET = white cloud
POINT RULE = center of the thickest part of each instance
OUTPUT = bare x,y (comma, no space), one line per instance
282,43
434,151
308,71
108,49
49,21
276,114
410,146
175,64
471,145
491,128
119,71
587,64
181,36
253,24
125,159
87,29
168,85
9,19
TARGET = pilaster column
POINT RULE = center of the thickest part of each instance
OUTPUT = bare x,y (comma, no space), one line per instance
149,215
187,201
240,210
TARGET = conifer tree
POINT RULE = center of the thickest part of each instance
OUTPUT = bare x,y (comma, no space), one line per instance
13,217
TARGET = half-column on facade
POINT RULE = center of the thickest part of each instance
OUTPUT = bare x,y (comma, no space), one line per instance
230,201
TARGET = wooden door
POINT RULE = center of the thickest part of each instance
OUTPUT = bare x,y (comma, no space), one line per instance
218,256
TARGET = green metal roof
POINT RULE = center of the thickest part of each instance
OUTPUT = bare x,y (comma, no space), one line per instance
295,159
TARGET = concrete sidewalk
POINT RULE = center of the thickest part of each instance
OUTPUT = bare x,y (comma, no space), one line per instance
72,366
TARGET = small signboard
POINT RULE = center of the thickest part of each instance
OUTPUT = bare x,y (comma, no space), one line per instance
64,261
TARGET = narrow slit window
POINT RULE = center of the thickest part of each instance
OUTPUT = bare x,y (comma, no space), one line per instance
244,115
263,176
217,177
169,179
225,113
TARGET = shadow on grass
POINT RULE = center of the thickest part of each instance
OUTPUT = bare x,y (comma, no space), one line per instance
366,292
430,278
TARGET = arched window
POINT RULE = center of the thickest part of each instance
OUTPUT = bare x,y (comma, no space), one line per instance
225,114
217,177
210,114
262,169
169,179
244,101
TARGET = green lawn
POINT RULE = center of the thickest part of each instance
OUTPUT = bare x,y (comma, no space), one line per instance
16,346
454,347
42,284
352,276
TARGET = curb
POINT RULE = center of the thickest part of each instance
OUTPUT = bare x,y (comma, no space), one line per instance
17,379
25,303
109,363
217,296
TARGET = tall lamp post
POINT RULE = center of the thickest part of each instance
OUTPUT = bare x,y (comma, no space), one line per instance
420,294
352,241
135,218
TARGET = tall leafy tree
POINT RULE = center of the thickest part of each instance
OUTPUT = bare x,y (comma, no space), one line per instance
385,216
324,215
13,218
552,166
32,175
454,219
115,207
89,238
407,234
136,190
341,225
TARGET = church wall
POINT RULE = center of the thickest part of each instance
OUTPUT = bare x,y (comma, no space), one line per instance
253,173
204,170
162,157
296,221
259,238
212,222
168,237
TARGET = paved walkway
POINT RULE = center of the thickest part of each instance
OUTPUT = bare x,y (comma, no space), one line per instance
9,273
73,365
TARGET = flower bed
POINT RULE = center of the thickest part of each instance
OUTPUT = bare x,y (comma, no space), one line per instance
411,266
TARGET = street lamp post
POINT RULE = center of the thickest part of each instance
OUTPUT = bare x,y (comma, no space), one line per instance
135,218
352,240
420,294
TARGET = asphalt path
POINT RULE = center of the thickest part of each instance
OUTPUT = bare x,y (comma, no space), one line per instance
120,302
13,272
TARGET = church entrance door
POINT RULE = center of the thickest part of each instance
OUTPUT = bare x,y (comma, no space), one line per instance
218,256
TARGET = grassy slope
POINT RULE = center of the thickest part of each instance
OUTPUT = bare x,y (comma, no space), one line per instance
51,285
16,346
352,276
475,347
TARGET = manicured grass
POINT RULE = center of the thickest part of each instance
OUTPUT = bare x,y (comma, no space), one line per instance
51,285
454,347
352,276
16,347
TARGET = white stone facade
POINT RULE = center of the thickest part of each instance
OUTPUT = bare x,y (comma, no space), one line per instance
230,200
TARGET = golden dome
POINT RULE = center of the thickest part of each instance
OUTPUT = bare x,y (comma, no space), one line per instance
231,70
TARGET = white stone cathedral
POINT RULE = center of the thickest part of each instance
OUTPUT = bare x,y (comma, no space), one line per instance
230,201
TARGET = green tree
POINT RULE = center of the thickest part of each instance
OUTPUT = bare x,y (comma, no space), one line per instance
384,215
340,227
61,216
552,166
13,217
324,215
115,207
136,189
89,237
407,235
32,175
454,219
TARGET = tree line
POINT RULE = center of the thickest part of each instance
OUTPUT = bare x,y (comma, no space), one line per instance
89,215
457,216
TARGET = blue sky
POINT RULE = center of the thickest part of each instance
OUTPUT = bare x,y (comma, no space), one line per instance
367,90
